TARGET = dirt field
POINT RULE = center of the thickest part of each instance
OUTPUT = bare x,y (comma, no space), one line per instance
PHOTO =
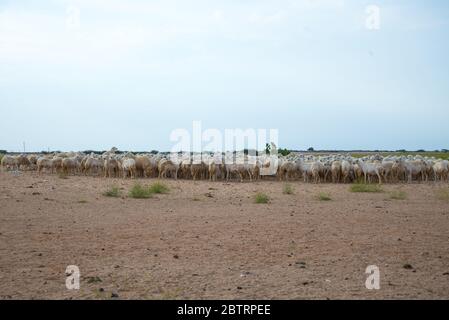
208,240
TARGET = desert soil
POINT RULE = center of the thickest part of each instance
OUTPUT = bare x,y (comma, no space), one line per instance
210,240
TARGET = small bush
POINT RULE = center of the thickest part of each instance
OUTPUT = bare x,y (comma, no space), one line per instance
361,187
398,195
324,196
139,192
284,152
261,198
93,279
288,189
159,187
443,194
114,192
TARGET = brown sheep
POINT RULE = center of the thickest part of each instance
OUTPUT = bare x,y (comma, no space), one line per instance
168,167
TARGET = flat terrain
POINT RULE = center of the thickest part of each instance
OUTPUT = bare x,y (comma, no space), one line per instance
207,240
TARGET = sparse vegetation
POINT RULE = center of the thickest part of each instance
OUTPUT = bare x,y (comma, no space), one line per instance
261,198
323,196
443,194
365,188
139,192
83,201
171,294
113,192
398,195
284,152
93,279
437,154
63,175
159,187
288,189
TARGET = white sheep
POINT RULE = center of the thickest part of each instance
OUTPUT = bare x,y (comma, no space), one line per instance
336,171
129,168
9,162
44,163
370,169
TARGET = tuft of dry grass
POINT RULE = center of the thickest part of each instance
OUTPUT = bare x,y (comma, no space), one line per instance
139,192
93,279
113,192
159,187
174,294
365,188
262,198
398,195
288,189
443,194
322,196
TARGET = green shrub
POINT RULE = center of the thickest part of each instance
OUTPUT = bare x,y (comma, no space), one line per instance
261,198
113,192
361,187
139,192
322,196
159,187
288,189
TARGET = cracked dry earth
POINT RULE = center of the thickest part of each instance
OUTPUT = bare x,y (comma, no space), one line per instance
210,240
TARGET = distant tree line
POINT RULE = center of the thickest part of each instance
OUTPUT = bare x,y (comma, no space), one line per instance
282,151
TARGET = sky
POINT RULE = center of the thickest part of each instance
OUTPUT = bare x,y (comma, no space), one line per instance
329,74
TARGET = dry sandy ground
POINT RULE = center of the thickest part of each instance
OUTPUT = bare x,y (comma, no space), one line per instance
208,240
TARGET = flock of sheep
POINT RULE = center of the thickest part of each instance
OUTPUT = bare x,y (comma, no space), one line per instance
338,168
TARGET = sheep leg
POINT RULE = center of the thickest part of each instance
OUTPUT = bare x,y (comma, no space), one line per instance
380,180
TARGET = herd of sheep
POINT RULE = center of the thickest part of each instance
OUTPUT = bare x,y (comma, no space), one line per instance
337,168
